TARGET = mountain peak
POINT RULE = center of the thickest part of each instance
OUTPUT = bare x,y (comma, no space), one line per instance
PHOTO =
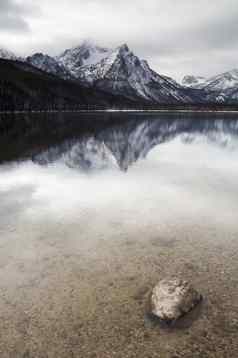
121,72
124,47
86,54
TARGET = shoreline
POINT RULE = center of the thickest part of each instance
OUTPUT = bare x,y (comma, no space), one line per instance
127,111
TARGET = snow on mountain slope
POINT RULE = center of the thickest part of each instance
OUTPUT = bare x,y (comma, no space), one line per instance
116,71
222,88
223,81
84,55
193,81
120,72
48,64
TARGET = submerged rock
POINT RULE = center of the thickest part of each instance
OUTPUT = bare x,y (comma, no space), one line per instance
171,299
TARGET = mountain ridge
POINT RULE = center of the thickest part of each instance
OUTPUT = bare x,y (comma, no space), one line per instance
120,72
115,71
220,88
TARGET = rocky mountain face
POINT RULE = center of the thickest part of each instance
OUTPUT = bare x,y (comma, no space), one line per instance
220,88
48,64
222,82
223,87
84,55
115,71
119,71
39,61
193,81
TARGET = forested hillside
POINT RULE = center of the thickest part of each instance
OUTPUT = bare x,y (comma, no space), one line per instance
23,87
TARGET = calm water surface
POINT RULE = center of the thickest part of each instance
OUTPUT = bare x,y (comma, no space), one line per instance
91,220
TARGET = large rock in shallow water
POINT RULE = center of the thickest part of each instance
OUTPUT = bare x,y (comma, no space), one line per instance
171,299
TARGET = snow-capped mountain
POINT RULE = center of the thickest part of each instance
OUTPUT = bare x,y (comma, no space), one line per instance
220,88
193,81
48,64
7,55
223,87
120,72
84,55
222,82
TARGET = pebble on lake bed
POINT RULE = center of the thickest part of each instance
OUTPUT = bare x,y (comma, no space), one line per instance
171,299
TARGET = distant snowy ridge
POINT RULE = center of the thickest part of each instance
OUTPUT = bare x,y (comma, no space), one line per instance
220,88
223,81
220,82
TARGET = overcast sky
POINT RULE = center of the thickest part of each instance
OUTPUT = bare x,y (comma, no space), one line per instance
177,37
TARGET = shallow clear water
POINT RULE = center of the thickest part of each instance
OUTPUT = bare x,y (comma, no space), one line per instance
92,223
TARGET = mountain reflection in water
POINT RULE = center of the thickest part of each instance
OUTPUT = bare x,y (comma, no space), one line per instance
121,144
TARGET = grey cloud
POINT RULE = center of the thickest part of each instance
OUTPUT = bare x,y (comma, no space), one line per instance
13,16
206,47
217,33
13,23
173,36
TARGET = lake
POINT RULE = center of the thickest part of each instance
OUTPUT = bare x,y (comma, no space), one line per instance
95,209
